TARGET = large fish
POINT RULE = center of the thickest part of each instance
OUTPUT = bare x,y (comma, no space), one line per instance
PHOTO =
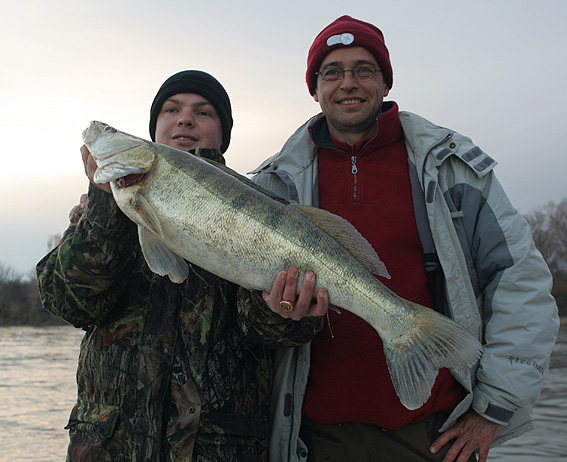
190,208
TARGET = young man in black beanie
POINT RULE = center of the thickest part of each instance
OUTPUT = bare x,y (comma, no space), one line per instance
165,372
203,90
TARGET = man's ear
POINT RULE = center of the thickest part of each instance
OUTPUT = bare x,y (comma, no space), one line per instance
315,97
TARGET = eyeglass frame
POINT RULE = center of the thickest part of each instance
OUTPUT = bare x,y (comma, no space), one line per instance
344,71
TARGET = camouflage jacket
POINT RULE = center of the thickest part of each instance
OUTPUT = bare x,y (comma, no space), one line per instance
167,372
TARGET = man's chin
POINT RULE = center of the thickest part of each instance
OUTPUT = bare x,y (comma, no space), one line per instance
183,145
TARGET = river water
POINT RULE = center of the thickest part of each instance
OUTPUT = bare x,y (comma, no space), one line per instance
37,392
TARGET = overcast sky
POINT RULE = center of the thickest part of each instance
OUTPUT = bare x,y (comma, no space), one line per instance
494,70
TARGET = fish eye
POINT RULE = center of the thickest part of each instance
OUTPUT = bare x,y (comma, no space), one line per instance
110,129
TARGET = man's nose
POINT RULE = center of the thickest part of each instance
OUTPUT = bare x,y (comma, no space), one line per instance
186,118
348,81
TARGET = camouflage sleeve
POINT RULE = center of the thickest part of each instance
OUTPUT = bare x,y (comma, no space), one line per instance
261,325
82,279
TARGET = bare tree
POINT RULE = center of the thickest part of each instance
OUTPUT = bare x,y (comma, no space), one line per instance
549,229
8,274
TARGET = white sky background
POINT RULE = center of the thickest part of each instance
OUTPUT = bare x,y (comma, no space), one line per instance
494,70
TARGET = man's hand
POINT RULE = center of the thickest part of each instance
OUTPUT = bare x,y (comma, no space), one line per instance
471,432
285,289
90,169
74,214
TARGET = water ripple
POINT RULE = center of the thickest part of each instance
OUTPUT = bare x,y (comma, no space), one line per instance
37,378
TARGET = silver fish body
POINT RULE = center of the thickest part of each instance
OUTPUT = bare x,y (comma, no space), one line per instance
187,208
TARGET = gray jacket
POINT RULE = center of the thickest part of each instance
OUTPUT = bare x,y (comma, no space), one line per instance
495,282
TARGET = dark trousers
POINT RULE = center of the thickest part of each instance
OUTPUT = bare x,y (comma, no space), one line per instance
369,443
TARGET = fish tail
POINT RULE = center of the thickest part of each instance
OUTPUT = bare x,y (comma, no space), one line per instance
415,358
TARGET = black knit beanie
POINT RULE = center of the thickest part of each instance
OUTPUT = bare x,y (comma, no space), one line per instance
200,83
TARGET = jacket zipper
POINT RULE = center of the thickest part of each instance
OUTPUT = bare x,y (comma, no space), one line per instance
355,178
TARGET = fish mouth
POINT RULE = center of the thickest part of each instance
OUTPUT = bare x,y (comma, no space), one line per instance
129,180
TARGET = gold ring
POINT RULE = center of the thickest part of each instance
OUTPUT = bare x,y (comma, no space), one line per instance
286,306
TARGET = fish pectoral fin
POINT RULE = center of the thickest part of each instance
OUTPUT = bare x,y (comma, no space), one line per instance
344,232
146,214
160,258
433,342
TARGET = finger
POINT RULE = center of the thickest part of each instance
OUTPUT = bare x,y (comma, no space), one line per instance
85,154
322,306
88,162
465,454
482,454
90,169
83,200
454,451
290,289
443,440
73,216
305,297
273,298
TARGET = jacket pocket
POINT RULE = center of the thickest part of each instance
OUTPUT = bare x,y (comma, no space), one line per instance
93,432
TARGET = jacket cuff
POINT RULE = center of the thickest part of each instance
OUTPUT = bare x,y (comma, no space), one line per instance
490,410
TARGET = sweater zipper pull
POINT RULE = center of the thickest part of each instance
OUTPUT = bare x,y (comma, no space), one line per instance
355,184
354,167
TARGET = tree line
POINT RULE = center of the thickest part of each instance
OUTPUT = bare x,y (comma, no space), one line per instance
549,228
20,303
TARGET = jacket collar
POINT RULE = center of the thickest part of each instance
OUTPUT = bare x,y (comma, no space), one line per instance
427,142
207,153
424,141
389,130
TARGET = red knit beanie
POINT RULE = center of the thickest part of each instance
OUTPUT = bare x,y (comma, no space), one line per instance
343,32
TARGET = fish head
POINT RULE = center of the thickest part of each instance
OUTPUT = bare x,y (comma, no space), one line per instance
120,157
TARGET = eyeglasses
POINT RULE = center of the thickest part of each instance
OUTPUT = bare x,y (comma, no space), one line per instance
363,72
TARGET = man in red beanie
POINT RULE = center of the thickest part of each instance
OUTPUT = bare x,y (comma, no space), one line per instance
428,201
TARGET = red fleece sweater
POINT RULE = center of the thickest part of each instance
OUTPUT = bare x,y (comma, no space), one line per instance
349,380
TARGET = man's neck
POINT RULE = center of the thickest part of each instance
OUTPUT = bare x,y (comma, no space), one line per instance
351,138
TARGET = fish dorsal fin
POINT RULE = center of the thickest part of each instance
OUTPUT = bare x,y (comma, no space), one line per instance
160,258
247,181
344,232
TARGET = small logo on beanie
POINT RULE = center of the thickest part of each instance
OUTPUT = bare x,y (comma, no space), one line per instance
345,39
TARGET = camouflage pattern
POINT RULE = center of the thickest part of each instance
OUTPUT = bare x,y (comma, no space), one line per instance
166,372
